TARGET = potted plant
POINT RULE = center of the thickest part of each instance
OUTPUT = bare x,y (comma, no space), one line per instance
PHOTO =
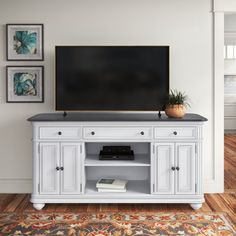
176,104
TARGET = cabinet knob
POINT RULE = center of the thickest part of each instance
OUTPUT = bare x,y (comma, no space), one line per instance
57,168
177,168
175,133
59,133
173,168
142,133
62,168
93,133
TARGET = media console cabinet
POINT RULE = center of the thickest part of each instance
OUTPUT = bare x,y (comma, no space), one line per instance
167,167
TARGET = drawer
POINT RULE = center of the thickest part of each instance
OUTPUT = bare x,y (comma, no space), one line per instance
117,133
175,132
59,132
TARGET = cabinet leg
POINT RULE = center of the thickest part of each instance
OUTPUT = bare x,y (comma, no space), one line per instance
196,206
38,206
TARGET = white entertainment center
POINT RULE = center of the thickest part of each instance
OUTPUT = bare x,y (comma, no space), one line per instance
167,167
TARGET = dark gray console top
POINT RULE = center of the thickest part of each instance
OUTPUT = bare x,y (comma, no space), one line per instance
112,117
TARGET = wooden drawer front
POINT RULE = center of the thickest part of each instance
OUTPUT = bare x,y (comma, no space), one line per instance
59,132
175,132
117,133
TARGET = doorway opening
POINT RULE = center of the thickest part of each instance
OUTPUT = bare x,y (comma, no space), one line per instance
230,102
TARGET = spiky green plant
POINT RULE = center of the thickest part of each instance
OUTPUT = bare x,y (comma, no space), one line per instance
177,98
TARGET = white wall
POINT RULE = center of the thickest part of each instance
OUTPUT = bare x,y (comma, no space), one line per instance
230,22
224,5
185,25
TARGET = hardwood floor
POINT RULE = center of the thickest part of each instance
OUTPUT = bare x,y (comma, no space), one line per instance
230,163
225,202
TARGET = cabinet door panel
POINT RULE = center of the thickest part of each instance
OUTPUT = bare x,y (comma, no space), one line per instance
163,162
185,160
71,173
49,176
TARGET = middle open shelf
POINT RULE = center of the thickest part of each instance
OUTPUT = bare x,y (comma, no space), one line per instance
140,160
141,155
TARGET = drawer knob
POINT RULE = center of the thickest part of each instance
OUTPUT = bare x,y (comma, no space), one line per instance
59,133
62,168
175,133
93,133
142,133
177,168
57,168
173,168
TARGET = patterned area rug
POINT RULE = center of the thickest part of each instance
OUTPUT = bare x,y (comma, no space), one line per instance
115,224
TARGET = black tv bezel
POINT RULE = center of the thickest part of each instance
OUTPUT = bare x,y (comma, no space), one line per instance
110,110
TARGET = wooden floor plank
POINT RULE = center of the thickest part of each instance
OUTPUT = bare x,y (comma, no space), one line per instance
109,207
230,162
23,204
93,208
4,200
205,207
14,203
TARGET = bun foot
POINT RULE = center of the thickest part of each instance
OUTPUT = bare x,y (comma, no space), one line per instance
38,206
196,206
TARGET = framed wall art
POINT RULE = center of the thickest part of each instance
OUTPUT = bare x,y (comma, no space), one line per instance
25,42
25,84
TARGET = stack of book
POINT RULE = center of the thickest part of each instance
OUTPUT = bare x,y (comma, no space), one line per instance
111,185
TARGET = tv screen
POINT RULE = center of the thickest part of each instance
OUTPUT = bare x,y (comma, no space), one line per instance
111,78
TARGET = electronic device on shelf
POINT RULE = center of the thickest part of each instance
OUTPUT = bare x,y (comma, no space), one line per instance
116,153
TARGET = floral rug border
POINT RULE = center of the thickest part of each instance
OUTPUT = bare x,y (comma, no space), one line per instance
218,222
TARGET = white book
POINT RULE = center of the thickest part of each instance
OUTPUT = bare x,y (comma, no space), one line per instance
107,190
111,183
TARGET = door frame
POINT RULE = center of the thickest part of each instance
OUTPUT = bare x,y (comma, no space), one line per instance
220,7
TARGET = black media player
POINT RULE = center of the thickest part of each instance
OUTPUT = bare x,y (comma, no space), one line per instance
116,153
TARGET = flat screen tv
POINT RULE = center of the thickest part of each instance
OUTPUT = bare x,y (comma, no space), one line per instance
111,78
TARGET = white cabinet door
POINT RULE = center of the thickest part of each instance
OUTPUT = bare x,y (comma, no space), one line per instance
163,173
185,168
49,164
70,168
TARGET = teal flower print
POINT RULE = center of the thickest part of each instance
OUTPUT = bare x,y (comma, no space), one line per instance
25,84
25,42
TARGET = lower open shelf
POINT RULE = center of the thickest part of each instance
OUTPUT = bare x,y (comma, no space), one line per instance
133,188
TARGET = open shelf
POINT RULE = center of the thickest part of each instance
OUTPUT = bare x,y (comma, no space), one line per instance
136,171
133,188
139,160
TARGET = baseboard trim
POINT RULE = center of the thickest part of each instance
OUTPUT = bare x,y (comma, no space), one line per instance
15,185
211,186
230,131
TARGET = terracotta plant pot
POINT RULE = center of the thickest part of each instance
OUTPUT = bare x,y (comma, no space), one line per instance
175,111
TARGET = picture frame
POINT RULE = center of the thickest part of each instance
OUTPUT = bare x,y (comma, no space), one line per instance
25,42
25,84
